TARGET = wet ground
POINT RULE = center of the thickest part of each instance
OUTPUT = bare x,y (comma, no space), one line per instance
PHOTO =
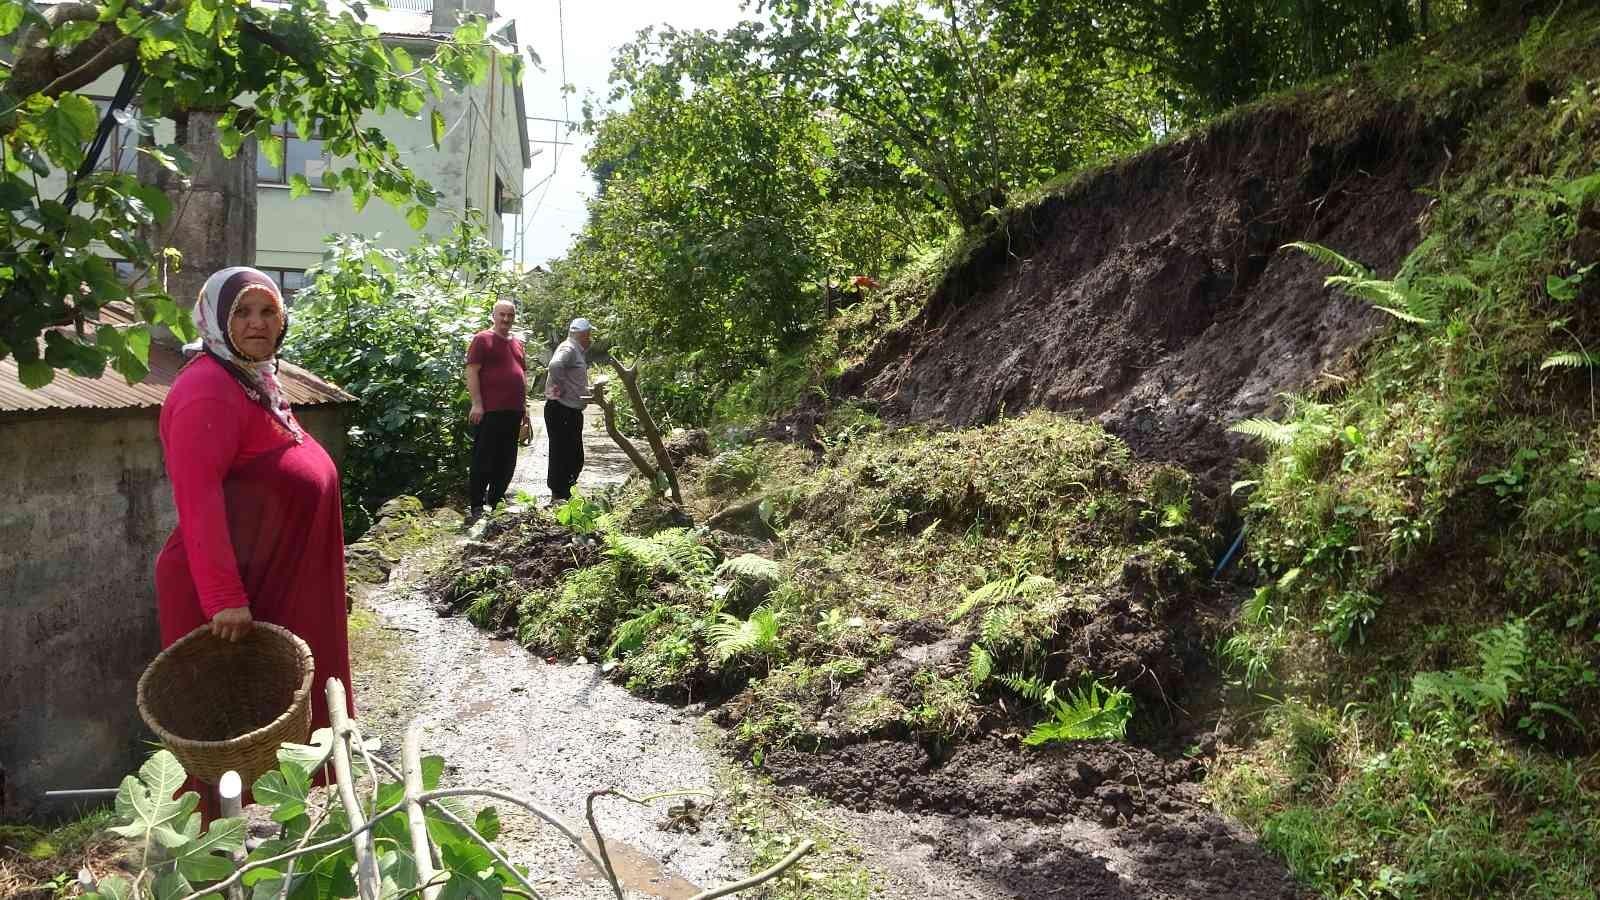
549,731
554,730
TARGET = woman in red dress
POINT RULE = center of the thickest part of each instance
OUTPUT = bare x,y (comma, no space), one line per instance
260,533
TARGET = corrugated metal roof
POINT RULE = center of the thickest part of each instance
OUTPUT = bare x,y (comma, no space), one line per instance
111,391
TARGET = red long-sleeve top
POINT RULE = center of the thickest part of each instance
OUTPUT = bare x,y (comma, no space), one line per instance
259,523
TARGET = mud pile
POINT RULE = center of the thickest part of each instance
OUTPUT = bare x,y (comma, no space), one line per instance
1026,810
1154,295
517,551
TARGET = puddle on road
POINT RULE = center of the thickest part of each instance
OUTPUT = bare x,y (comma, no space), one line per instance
507,648
638,872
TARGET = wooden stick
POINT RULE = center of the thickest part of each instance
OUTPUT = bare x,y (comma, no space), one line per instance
368,882
652,434
411,764
230,794
610,410
600,841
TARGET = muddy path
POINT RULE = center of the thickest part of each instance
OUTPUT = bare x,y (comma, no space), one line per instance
549,731
990,822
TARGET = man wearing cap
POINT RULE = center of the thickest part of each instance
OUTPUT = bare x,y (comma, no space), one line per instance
565,392
497,382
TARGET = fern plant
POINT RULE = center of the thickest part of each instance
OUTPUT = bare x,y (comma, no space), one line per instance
1307,430
631,634
751,568
758,635
1092,713
1030,687
980,665
1406,296
1502,660
1573,359
675,552
1018,585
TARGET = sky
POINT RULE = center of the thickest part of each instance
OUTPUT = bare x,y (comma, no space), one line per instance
590,30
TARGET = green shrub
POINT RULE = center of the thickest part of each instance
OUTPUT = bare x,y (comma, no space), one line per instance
392,328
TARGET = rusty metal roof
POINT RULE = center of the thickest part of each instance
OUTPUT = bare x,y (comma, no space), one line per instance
111,391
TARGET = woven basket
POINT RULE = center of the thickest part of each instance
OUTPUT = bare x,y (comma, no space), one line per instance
219,705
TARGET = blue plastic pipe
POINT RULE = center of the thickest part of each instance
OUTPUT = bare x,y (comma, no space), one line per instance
1228,557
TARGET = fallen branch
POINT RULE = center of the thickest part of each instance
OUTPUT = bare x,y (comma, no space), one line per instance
411,764
610,410
594,827
760,877
430,881
369,884
630,383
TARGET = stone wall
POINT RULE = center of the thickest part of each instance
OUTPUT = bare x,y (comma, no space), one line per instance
84,508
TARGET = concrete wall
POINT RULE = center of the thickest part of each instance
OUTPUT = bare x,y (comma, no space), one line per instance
84,507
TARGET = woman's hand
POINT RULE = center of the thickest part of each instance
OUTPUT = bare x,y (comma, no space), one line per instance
475,415
232,623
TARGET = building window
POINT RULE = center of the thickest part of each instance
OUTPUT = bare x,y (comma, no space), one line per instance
121,146
308,158
290,281
505,204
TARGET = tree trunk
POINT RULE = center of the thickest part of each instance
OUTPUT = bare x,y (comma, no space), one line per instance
213,223
652,434
633,454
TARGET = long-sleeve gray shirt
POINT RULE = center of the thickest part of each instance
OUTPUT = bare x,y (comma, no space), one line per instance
568,379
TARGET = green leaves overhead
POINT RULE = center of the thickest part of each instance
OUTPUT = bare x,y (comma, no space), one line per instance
436,121
393,329
67,124
201,16
313,63
10,15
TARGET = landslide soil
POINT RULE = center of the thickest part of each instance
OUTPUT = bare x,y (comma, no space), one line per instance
1086,821
1154,295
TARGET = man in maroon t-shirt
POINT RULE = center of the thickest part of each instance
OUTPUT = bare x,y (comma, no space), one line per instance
497,381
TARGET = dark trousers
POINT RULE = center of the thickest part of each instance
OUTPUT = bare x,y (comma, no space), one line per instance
565,427
494,456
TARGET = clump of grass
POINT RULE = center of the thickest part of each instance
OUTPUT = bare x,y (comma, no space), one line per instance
38,863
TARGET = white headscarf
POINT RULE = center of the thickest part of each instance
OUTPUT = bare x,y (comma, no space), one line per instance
258,378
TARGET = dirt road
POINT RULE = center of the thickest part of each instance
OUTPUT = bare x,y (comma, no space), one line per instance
549,731
603,464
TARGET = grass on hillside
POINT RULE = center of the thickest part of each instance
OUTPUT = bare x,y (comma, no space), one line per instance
1428,629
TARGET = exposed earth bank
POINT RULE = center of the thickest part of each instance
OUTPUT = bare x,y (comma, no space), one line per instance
1155,294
